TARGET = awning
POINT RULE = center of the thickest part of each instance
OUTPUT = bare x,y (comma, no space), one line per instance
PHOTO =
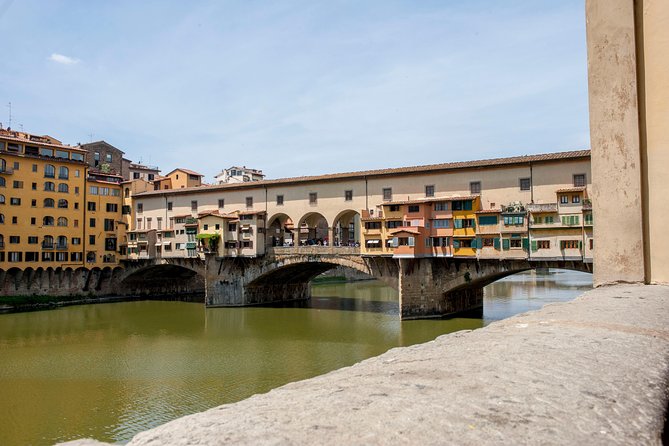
373,242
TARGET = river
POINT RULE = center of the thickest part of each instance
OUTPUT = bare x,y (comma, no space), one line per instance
108,371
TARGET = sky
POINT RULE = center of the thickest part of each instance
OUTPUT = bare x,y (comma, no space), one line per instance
298,87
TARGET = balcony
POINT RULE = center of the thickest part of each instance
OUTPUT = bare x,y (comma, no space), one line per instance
6,170
547,207
47,245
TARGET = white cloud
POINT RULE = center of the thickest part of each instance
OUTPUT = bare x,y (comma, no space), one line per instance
59,58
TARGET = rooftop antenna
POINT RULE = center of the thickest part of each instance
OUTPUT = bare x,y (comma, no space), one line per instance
10,115
21,126
90,135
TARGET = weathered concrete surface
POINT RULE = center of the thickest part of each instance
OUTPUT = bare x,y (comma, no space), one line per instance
592,371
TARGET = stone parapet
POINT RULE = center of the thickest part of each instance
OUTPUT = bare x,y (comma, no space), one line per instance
593,371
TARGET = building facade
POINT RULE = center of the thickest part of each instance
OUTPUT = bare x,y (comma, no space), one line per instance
236,174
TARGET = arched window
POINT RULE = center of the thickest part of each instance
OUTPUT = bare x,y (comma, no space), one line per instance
127,192
2,182
47,242
63,173
61,242
62,221
2,199
90,257
3,165
2,219
49,171
48,202
62,187
62,203
2,241
47,221
49,186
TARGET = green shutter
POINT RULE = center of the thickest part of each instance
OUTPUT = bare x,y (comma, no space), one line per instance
565,220
477,243
468,205
473,223
526,243
534,246
456,243
457,223
506,244
496,243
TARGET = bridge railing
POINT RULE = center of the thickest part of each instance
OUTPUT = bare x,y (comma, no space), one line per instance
314,250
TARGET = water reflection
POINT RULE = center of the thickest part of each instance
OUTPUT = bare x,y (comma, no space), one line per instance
108,371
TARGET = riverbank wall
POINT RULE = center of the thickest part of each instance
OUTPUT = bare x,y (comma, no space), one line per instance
591,371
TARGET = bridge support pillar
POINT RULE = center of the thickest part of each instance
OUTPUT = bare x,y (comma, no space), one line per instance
422,285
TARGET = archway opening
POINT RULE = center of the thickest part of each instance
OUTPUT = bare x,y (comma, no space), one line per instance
346,229
165,280
313,229
280,231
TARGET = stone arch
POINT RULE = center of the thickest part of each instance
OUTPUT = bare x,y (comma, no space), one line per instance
280,230
346,228
313,228
162,279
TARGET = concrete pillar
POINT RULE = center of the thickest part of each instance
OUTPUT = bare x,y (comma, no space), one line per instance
628,58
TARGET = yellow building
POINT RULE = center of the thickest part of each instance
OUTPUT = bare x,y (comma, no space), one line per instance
464,225
104,227
42,210
179,178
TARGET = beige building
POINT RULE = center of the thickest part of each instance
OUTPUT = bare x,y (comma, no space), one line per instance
327,209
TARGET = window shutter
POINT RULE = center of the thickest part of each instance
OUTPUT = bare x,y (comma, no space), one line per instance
526,243
468,205
580,244
396,242
412,241
456,244
506,244
496,243
473,223
534,246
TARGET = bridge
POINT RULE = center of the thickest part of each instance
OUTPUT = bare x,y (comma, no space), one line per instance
427,287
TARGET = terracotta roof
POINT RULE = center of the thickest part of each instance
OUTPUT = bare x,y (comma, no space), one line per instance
488,211
571,189
430,200
27,138
188,171
409,230
431,168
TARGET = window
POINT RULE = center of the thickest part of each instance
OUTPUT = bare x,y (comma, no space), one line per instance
48,203
33,220
49,171
414,208
516,243
91,222
148,222
462,223
112,207
125,210
64,188
570,220
193,205
249,202
588,219
76,190
93,190
218,226
15,256
108,157
169,205
2,219
592,244
160,223
49,186
429,190
96,156
279,200
2,182
543,244
33,240
514,220
475,187
135,175
76,240
15,201
150,176
140,208
387,193
34,167
47,221
440,223
441,206
77,173
579,180
34,186
109,224
488,220
569,244
525,183
575,198
392,224
63,173
232,227
221,203
462,205
313,197
90,206
17,184
15,220
91,240
564,199
394,207
373,225
14,239
488,242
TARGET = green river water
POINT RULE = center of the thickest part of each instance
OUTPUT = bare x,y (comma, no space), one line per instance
108,371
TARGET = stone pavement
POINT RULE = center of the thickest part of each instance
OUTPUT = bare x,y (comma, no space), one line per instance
592,371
